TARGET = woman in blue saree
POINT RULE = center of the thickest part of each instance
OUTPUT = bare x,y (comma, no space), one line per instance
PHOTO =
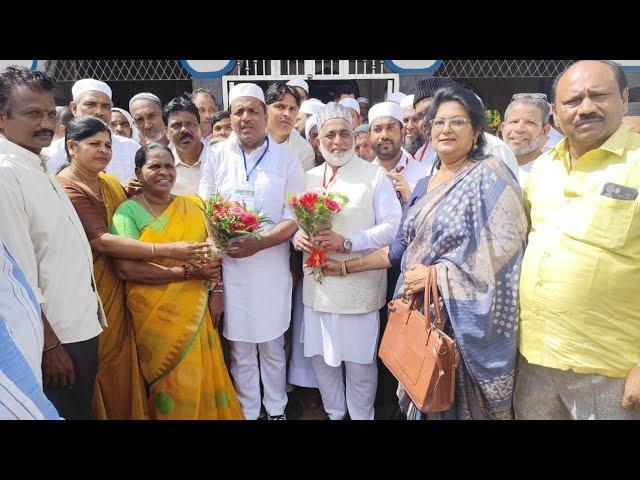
468,220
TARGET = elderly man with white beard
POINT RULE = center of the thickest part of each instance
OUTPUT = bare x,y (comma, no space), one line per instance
525,129
341,318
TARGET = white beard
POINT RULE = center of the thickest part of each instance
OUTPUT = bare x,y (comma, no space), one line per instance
533,146
338,160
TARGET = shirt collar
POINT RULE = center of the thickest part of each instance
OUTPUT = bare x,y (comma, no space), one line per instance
179,161
22,154
400,166
257,150
614,144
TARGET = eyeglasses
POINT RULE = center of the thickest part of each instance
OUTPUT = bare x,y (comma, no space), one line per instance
536,96
437,124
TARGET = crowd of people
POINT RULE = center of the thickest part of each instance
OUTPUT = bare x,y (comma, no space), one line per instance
112,305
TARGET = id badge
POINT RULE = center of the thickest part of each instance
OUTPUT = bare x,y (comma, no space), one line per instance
247,195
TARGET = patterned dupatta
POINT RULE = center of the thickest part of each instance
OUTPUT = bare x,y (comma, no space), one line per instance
473,228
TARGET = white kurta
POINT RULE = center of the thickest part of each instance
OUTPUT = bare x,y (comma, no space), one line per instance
410,169
122,163
354,337
302,149
257,289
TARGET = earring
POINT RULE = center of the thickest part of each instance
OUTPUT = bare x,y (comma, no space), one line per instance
475,144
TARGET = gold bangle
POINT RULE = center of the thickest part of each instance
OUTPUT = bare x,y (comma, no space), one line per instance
153,254
361,265
343,268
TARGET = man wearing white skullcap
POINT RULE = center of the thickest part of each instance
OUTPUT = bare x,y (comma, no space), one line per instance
341,318
122,124
92,98
412,138
252,168
354,109
301,86
307,108
364,106
146,110
386,127
395,97
311,134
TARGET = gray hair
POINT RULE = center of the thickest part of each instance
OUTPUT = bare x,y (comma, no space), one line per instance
539,103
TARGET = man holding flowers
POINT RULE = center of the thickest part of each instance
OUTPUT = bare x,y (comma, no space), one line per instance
341,318
254,170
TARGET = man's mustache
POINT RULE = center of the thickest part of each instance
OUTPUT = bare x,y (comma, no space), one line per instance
589,118
186,135
44,132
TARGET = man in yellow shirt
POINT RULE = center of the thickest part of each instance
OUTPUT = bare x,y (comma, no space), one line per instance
579,301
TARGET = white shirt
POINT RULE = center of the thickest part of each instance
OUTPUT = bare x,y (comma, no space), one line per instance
524,173
554,137
257,288
412,170
188,176
45,236
20,308
122,163
302,149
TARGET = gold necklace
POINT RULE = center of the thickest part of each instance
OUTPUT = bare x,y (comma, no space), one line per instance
149,206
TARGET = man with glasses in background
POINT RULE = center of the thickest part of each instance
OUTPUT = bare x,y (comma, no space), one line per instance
526,128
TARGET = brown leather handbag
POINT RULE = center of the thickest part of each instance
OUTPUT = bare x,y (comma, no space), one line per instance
418,353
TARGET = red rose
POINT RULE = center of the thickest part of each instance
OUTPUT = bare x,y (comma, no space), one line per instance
293,201
332,205
308,200
250,222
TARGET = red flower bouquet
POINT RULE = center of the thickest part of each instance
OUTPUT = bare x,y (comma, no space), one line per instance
229,220
314,212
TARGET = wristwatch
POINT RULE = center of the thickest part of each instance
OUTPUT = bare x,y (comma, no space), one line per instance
347,245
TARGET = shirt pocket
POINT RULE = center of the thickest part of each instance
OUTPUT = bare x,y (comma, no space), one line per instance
604,222
270,193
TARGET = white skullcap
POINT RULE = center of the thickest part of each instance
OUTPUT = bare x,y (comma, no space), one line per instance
395,97
89,85
145,96
333,110
363,100
385,109
351,103
311,107
311,122
135,135
299,82
246,90
407,102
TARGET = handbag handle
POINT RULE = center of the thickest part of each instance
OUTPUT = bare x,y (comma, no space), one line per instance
431,294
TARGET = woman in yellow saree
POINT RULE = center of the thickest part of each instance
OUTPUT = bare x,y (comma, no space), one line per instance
119,392
178,345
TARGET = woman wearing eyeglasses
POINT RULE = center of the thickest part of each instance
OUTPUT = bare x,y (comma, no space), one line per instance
468,220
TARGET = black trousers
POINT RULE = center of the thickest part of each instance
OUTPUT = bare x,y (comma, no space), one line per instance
74,403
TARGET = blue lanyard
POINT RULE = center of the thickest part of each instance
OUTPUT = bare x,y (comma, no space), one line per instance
244,157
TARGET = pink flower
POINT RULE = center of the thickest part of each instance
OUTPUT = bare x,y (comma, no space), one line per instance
237,211
250,221
332,205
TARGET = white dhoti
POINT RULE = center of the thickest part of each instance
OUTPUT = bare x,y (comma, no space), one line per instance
300,367
330,339
247,371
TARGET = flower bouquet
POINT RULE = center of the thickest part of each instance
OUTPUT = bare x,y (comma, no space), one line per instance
228,221
314,212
